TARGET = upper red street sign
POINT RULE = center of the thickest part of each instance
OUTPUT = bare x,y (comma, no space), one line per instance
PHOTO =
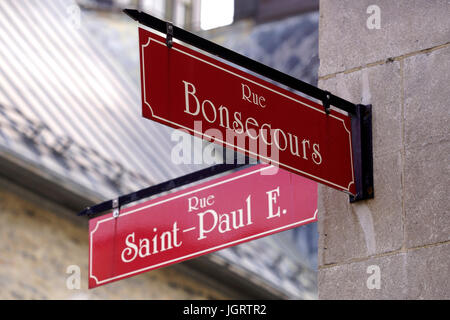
189,90
248,204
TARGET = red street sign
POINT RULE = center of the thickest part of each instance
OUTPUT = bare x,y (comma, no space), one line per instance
188,90
220,213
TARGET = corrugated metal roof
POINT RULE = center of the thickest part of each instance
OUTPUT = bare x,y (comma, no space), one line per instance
64,82
69,108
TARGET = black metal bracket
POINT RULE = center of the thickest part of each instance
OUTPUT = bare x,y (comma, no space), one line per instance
169,34
326,102
362,152
240,60
116,204
116,208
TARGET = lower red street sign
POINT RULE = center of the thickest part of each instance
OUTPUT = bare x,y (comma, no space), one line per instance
242,206
189,90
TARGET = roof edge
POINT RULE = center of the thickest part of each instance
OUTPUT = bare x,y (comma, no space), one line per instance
49,185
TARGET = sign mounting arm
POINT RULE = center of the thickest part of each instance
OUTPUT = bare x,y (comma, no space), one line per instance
361,118
241,60
161,187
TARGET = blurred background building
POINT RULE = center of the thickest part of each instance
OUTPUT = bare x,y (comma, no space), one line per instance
71,135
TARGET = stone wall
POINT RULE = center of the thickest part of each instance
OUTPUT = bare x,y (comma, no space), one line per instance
39,240
403,70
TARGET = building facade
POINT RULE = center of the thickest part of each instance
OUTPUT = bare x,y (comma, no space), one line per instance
394,55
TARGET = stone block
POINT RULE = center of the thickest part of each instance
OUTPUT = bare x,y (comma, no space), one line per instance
427,189
349,281
381,86
346,42
348,231
415,274
429,272
427,92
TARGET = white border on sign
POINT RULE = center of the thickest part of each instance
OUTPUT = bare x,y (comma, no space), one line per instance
258,84
98,282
